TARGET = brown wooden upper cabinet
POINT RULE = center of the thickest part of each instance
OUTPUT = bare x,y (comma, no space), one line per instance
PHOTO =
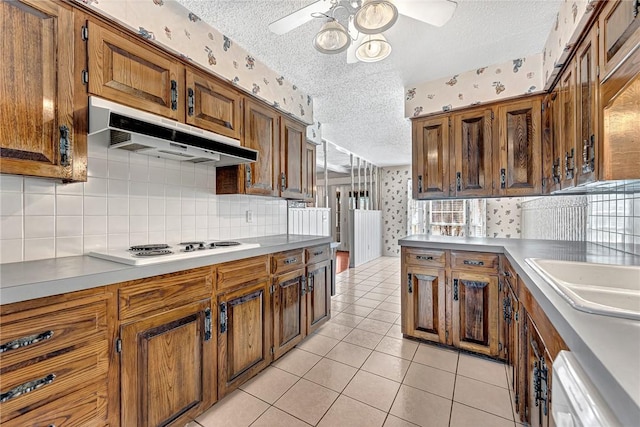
124,70
293,141
309,183
518,168
472,141
262,133
550,143
567,126
213,106
430,157
619,24
37,121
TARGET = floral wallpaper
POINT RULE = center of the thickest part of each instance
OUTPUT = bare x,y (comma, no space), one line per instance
513,78
570,21
314,133
393,196
173,27
504,217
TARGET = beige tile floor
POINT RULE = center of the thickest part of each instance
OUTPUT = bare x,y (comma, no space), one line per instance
357,370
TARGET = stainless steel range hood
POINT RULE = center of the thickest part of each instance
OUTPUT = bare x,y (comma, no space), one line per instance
153,135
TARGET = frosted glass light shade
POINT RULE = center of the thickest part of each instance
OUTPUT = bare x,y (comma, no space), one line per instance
332,38
374,48
375,16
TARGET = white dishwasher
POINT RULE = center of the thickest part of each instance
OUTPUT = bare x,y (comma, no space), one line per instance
576,401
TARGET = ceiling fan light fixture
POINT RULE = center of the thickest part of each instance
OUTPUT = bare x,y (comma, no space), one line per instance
375,16
374,48
332,38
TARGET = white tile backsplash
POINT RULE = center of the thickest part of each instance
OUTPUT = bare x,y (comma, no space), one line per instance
128,199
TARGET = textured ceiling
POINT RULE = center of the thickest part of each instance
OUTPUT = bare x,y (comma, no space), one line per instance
361,106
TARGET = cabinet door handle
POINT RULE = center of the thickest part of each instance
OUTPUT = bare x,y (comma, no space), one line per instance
207,324
283,181
303,286
65,146
25,341
310,283
424,258
503,178
223,317
174,95
27,387
458,181
410,283
455,289
191,102
290,261
419,183
472,262
316,253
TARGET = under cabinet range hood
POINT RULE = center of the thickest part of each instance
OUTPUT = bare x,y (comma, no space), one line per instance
145,133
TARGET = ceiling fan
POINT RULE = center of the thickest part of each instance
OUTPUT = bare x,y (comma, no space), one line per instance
367,19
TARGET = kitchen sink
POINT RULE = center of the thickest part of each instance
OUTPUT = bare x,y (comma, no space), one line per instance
610,290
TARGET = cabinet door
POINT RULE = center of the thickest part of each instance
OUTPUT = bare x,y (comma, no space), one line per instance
472,140
37,79
262,133
568,130
168,366
587,111
619,24
292,158
430,158
550,143
475,312
309,183
132,73
318,295
519,171
424,314
213,106
538,362
244,337
289,307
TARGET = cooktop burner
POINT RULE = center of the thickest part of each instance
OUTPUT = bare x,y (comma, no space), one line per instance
153,252
150,247
226,243
194,243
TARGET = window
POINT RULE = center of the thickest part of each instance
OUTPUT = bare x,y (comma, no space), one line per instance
451,217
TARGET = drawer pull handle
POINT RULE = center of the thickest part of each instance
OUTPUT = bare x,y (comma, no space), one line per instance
23,342
424,258
290,261
26,388
472,262
316,253
455,289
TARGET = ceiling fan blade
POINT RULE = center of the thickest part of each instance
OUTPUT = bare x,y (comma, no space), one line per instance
299,17
434,12
351,51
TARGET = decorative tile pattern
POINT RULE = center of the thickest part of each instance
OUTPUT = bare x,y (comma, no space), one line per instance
170,25
555,218
498,81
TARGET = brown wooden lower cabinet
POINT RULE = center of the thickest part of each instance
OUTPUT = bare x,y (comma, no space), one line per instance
475,312
289,311
318,295
425,314
537,362
168,366
244,334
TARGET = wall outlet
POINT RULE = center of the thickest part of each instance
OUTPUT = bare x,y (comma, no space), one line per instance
249,216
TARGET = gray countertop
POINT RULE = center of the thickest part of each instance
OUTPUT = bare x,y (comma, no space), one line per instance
23,281
608,348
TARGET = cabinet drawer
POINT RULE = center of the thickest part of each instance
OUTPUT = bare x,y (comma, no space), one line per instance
75,409
474,261
425,257
160,293
34,333
38,384
287,261
317,253
243,271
